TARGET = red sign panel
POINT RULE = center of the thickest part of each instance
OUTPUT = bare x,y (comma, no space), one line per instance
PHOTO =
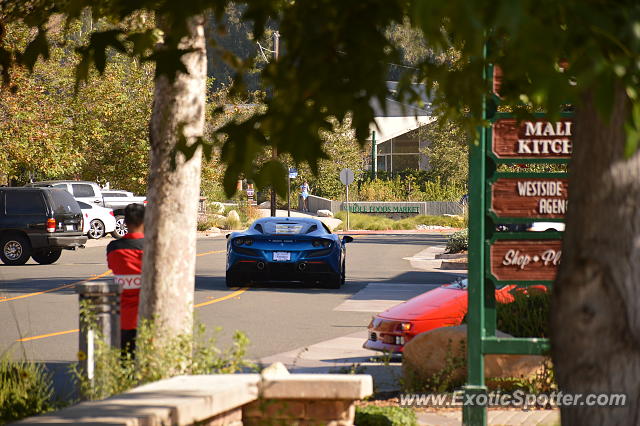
497,79
539,138
530,197
525,260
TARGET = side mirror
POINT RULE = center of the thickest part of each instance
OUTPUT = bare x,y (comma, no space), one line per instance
228,235
347,239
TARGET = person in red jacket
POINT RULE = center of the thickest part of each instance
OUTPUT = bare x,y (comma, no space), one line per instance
124,258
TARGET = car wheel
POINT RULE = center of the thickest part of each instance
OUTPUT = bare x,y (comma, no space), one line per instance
121,228
46,256
15,249
96,229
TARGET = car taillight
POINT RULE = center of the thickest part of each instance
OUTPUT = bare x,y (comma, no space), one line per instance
405,326
111,213
321,243
51,225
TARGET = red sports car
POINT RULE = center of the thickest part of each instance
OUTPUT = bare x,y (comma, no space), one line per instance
441,307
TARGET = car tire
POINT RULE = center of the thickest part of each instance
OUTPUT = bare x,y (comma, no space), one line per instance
15,249
343,273
96,229
121,228
46,256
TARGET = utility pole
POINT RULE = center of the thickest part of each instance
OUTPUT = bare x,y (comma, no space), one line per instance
276,52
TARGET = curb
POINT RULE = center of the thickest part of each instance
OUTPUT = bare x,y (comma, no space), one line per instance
453,265
396,231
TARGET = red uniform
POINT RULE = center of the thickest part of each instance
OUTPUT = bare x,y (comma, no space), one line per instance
124,257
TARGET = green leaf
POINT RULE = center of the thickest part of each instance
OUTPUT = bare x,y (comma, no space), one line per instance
143,42
98,44
39,46
169,62
272,173
632,129
5,65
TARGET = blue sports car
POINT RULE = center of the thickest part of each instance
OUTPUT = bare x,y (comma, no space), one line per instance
286,249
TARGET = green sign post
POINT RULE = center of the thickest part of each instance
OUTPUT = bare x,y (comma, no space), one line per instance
499,258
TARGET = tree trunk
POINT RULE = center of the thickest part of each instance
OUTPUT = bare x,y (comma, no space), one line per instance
170,220
595,316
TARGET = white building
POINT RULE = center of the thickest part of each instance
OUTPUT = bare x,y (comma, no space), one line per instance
398,147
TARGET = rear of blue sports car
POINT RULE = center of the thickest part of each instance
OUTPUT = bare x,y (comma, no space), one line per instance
285,250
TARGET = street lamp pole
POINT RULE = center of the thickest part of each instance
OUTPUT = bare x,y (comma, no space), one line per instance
274,156
374,155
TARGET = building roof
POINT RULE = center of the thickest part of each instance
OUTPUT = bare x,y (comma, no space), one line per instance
399,117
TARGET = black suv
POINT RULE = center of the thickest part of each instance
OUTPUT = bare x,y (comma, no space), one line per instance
38,222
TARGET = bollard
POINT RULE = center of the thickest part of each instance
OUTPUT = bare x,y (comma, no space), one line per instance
103,299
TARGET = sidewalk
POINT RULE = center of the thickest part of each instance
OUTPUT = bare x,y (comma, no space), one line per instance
494,418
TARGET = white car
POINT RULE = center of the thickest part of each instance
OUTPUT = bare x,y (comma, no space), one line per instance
547,226
98,221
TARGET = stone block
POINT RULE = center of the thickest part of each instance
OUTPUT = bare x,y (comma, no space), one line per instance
316,386
330,410
275,409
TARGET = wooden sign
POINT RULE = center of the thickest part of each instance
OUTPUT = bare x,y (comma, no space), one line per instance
530,197
539,138
497,79
525,260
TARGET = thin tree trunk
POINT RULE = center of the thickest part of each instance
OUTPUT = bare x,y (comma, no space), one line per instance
596,315
170,220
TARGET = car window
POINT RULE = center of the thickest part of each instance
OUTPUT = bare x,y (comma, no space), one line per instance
63,202
60,185
24,202
460,284
326,228
82,190
84,205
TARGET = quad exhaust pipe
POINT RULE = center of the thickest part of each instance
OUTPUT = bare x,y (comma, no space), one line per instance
260,265
302,267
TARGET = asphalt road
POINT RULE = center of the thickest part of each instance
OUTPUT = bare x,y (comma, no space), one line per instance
39,308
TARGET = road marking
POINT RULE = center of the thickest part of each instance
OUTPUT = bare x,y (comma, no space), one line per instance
26,339
210,252
95,277
210,302
220,299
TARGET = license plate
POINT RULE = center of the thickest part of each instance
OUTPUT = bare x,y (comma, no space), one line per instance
70,228
281,256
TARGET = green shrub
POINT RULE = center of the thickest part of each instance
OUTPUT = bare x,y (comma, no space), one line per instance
26,389
408,187
527,315
371,415
543,382
377,223
381,190
184,354
209,221
231,222
458,241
